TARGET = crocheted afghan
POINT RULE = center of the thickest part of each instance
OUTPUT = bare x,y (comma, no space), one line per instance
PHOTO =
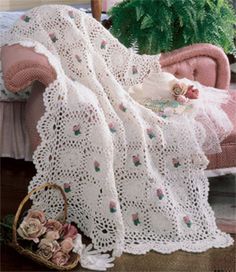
134,180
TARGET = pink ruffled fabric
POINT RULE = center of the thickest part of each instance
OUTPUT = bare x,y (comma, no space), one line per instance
227,157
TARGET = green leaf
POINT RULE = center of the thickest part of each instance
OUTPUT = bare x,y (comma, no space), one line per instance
147,22
8,219
139,12
220,3
156,26
5,225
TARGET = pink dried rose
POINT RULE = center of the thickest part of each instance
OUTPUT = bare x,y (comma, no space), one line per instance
31,229
192,92
182,99
47,248
53,225
67,245
69,231
52,235
60,258
37,215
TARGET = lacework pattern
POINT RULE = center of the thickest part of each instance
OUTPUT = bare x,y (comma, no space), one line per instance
134,181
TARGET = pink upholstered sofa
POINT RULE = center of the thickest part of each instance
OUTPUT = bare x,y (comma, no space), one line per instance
202,62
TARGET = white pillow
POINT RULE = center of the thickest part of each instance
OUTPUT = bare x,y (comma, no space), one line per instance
7,19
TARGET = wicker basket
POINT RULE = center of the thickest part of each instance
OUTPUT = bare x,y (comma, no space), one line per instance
74,259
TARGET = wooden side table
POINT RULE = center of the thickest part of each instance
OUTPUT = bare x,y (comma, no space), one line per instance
96,6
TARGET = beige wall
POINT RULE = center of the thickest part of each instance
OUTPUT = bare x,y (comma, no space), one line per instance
25,4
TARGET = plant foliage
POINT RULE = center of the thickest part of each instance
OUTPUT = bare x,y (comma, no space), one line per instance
155,26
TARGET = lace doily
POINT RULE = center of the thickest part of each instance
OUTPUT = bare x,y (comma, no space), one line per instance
134,181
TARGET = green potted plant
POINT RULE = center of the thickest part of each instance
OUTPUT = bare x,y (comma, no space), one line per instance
154,26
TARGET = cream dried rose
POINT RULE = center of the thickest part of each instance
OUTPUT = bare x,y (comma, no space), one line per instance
47,248
60,258
53,225
67,245
52,235
31,229
37,214
179,89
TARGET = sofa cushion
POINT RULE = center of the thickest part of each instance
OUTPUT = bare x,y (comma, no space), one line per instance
202,62
230,109
227,158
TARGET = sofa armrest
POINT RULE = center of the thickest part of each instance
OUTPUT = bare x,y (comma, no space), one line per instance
203,62
21,66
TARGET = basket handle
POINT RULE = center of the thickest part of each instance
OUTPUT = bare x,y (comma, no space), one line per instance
26,198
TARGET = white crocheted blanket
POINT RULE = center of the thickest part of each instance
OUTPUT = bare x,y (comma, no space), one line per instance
134,180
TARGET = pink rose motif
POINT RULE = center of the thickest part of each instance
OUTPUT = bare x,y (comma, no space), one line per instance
192,93
150,133
96,166
122,107
67,188
176,162
112,206
52,235
53,37
136,160
103,44
78,58
67,245
71,14
112,128
135,218
69,231
25,18
37,215
134,70
53,225
76,129
60,258
182,99
160,193
187,221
